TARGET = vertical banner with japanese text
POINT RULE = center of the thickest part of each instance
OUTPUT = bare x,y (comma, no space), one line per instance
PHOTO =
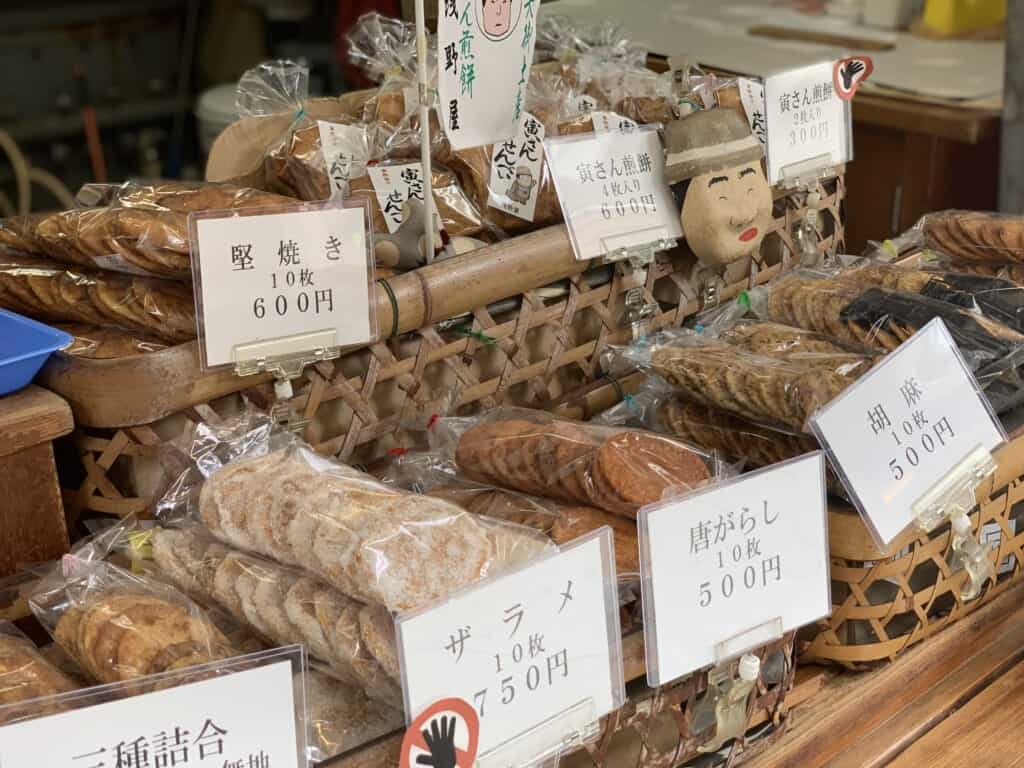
484,53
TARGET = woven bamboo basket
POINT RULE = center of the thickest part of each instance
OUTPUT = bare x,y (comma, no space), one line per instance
520,322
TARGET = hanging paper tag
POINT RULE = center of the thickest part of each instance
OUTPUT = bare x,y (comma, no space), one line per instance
752,97
612,190
720,564
905,425
992,535
279,274
516,170
346,150
243,719
808,125
393,185
523,649
484,53
584,104
609,122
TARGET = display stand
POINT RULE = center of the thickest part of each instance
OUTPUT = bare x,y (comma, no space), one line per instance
546,743
425,101
950,500
804,179
730,683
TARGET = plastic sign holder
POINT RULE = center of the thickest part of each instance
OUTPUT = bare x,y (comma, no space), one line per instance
950,500
731,681
282,287
537,652
546,743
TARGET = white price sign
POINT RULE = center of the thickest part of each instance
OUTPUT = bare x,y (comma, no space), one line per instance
904,426
266,276
234,721
523,649
612,190
808,125
484,53
723,563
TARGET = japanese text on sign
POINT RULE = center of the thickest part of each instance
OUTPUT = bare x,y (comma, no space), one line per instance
904,426
485,48
726,560
516,168
612,190
522,648
264,277
804,120
241,720
346,151
395,185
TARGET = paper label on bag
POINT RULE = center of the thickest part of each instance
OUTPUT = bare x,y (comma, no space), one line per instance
584,104
484,53
524,648
346,150
609,122
242,719
516,170
270,276
808,126
992,534
393,185
612,190
752,97
905,425
721,562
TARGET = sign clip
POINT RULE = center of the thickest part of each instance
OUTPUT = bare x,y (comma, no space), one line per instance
951,499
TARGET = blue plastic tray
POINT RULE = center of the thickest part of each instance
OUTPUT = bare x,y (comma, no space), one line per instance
24,347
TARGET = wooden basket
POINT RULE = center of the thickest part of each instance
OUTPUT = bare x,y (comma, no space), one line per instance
516,323
884,602
652,730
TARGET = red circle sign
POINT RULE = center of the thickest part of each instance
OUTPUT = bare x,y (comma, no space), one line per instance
445,735
848,74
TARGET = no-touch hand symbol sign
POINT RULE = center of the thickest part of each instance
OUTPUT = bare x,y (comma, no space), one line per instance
445,735
849,74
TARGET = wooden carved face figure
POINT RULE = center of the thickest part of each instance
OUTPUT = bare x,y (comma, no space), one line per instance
726,213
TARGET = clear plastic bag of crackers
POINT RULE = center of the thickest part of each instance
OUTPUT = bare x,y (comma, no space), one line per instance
265,492
612,469
313,147
118,625
139,229
53,292
28,681
561,521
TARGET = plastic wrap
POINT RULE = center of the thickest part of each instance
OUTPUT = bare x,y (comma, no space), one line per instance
378,44
776,390
616,470
882,319
373,543
295,163
284,605
459,216
975,236
17,234
53,292
559,521
561,37
26,675
341,717
95,343
119,626
997,299
144,230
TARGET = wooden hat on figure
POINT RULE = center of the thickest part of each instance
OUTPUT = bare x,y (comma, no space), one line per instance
713,163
